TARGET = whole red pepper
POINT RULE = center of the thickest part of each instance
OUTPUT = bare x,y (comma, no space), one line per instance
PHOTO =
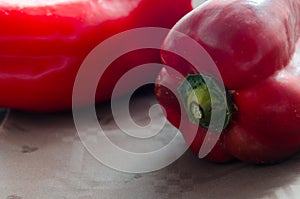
43,43
255,46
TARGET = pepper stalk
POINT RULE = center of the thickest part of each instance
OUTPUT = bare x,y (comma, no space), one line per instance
200,95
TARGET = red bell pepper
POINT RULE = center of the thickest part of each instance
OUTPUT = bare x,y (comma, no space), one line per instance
255,46
43,43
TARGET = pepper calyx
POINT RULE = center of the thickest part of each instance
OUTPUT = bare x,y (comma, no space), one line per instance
201,95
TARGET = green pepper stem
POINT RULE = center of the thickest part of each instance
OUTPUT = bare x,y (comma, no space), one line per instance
201,95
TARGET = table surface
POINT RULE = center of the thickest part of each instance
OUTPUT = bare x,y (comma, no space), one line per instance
42,157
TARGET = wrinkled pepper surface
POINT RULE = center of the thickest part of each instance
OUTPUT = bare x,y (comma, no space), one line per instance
255,46
43,43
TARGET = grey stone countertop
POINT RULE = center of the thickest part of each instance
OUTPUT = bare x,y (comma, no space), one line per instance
43,157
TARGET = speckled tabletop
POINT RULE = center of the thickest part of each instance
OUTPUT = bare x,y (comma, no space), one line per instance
42,157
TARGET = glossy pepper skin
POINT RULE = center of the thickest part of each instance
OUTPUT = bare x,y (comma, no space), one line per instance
255,46
43,43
